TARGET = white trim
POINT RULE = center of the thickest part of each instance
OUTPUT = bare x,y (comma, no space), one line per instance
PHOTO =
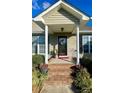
82,14
46,44
48,10
39,17
86,31
72,8
77,45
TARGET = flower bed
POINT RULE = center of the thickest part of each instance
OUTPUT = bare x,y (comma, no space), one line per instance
39,73
82,79
37,80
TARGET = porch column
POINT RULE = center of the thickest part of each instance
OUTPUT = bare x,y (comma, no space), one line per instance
38,48
46,44
77,44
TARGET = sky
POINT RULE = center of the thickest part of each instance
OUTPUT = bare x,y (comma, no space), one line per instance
85,6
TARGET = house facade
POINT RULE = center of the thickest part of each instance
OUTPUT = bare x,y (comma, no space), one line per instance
61,31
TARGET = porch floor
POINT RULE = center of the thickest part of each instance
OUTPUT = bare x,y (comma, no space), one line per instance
60,61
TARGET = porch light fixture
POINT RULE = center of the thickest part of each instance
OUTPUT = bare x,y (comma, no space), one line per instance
62,29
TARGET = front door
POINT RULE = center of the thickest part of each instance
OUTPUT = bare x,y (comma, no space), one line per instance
62,45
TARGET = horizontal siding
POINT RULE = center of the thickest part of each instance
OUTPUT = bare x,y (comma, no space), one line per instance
61,17
37,28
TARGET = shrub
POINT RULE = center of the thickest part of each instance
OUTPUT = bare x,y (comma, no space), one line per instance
38,59
37,77
83,81
86,62
37,80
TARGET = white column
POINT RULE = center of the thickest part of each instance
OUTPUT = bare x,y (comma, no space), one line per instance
77,45
38,48
46,44
89,43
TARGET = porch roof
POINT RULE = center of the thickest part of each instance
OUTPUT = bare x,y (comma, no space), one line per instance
50,17
37,27
61,4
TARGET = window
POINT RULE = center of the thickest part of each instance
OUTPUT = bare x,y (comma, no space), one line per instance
38,40
87,43
41,42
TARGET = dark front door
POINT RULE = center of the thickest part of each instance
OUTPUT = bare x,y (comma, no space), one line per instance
62,45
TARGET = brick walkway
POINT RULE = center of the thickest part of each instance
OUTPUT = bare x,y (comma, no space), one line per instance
59,74
59,79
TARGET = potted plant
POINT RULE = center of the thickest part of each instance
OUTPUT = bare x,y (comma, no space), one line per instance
44,68
53,54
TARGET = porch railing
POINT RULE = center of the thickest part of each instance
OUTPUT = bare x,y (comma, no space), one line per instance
42,48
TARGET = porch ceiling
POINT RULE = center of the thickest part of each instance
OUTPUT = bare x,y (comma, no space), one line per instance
67,28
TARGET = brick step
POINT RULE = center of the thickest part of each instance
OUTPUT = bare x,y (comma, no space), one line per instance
60,66
58,73
59,77
58,82
59,70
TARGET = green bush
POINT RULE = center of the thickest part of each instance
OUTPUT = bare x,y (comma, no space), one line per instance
37,77
86,62
37,80
83,81
38,59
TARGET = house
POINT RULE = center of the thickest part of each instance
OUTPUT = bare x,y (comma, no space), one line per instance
61,30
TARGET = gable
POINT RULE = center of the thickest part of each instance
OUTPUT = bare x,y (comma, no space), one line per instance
60,16
65,6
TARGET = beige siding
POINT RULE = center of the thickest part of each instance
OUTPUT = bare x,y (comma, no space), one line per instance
60,17
37,27
71,45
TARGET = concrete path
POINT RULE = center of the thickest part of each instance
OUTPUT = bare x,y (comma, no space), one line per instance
59,89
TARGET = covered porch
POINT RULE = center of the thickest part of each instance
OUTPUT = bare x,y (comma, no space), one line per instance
67,34
58,41
61,27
